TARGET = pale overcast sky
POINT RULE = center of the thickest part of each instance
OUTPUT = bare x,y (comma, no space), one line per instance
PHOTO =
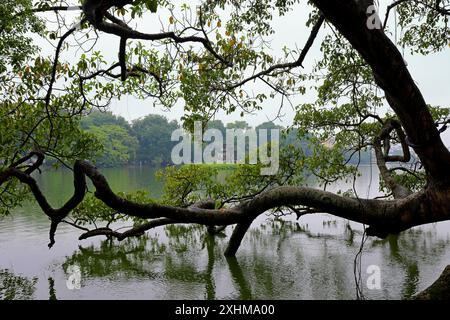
431,72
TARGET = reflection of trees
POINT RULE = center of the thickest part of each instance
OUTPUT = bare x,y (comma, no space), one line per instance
271,268
14,287
143,257
51,289
131,258
239,279
210,285
408,249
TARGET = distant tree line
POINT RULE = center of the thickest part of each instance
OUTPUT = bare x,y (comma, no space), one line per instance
147,140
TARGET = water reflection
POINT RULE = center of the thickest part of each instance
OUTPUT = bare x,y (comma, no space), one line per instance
51,289
148,258
16,287
280,260
245,292
409,250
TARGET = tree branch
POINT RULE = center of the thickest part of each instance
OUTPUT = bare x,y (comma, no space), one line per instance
95,11
289,65
382,216
56,8
134,232
398,190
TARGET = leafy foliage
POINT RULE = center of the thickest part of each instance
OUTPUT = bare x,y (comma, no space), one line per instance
16,45
92,211
153,133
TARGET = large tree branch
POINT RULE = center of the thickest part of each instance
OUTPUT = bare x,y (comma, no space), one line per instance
236,238
96,11
133,232
55,215
383,217
141,229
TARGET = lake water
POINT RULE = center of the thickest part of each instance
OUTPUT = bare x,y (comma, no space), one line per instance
312,258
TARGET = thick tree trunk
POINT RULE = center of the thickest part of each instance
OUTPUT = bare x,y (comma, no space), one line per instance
236,238
439,290
392,75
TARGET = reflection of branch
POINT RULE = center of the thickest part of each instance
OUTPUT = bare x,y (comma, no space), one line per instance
134,232
209,278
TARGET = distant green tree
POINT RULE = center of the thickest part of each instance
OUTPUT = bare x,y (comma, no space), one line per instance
217,124
153,133
119,147
238,125
268,125
98,118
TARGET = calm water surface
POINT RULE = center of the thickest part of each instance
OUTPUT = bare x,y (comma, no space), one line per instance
311,258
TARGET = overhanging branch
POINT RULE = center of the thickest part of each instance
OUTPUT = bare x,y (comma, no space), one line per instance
382,216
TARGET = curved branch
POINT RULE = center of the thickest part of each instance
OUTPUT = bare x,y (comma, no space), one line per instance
382,216
398,190
55,64
133,232
55,215
39,161
288,65
95,12
388,10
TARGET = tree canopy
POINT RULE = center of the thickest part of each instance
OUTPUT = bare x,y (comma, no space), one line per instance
208,58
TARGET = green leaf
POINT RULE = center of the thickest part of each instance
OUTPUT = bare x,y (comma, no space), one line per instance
152,5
